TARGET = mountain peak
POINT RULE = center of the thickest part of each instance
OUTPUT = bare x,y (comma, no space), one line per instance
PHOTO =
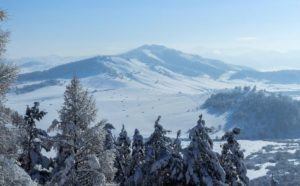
153,48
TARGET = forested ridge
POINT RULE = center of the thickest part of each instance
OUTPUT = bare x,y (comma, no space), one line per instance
260,114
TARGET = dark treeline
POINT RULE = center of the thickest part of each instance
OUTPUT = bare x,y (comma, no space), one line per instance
260,114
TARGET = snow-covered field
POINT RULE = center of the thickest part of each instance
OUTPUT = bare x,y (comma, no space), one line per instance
131,107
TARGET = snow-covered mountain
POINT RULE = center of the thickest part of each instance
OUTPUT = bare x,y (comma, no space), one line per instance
155,58
135,87
146,62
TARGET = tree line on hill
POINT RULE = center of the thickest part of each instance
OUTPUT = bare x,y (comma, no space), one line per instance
260,114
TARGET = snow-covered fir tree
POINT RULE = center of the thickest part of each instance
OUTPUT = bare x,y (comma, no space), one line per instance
232,160
176,164
137,160
88,165
33,140
109,139
157,152
81,157
123,157
171,166
202,163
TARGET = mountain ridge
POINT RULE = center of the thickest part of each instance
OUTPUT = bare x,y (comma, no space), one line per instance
158,59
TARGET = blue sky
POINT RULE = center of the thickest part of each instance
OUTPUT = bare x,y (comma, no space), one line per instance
89,27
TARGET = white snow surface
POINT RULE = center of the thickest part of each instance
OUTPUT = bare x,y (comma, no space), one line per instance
252,174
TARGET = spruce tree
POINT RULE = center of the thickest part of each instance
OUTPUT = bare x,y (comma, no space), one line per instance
123,157
232,160
203,166
171,166
138,153
176,165
157,150
33,141
109,139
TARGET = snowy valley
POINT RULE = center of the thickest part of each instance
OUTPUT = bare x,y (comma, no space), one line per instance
135,87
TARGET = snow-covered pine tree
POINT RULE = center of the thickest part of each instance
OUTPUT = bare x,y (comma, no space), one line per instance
157,152
109,139
138,153
77,113
232,160
89,165
172,165
81,158
176,165
202,163
123,157
33,140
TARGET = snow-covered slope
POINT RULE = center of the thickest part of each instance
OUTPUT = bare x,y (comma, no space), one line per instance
179,62
135,87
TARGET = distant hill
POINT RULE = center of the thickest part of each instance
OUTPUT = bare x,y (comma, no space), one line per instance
81,69
281,77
